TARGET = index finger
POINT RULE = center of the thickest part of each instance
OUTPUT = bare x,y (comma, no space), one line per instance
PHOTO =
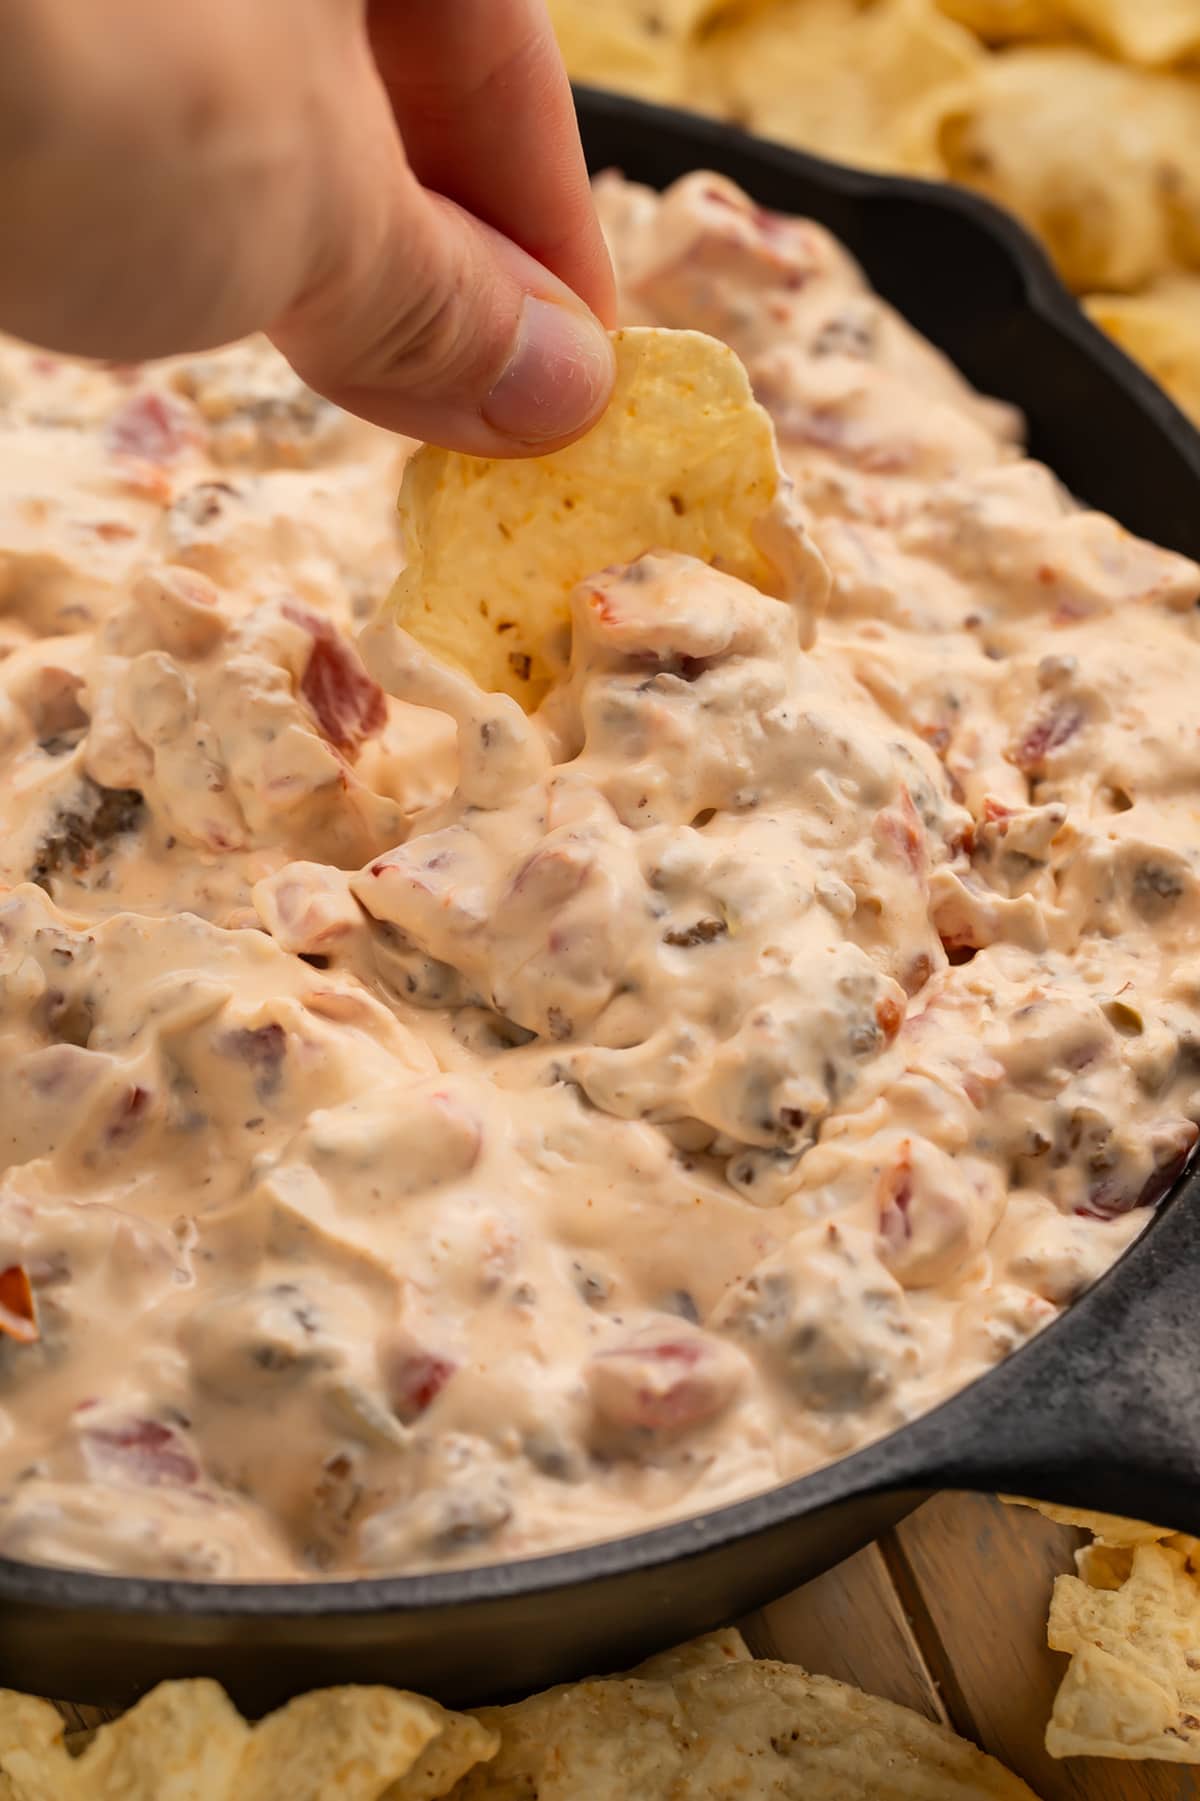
485,111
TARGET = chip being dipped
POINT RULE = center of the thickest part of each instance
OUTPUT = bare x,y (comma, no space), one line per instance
683,460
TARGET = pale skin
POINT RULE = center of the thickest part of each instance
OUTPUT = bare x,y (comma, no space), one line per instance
394,190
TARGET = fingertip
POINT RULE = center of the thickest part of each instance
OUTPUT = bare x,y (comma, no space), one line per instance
557,381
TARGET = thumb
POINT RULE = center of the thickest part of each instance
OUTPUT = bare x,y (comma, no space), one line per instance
433,324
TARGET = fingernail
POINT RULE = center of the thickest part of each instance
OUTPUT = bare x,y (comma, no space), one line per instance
558,376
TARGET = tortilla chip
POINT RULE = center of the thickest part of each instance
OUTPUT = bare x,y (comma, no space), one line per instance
1151,32
183,1742
713,1651
1007,21
462,1743
639,46
618,47
828,76
338,1744
750,1729
34,1763
1110,1528
684,459
1161,330
1133,1686
1104,1566
1036,130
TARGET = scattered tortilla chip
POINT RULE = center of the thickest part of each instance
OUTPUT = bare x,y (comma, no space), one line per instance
1161,330
34,1763
1104,1566
750,1729
1133,1686
829,76
338,1744
1111,1528
684,459
1035,130
183,1742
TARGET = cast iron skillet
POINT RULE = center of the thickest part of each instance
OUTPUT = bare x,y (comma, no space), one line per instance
1101,1410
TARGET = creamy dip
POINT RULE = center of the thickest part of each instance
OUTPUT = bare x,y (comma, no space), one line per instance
759,1044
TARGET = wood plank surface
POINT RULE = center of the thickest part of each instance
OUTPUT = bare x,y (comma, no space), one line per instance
850,1624
947,1615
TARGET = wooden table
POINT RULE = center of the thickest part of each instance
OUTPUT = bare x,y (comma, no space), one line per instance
947,1615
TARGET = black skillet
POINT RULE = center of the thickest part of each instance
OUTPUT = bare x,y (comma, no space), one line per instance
1101,1410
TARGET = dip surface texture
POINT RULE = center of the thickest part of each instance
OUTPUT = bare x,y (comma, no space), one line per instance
765,1040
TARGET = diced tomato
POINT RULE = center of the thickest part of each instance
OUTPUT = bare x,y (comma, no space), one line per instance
349,706
153,427
1048,733
889,1016
143,1451
895,1197
415,1378
661,1385
899,829
550,877
18,1315
129,1114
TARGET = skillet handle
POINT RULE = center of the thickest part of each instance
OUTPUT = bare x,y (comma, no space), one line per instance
1103,1411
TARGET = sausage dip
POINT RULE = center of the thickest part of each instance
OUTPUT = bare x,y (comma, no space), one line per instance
757,1049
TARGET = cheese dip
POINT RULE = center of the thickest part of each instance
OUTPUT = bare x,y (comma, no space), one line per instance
763,1040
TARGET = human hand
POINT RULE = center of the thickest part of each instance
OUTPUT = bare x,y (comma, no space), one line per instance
393,189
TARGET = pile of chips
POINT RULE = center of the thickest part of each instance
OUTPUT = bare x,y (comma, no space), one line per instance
691,1725
1082,116
1130,1623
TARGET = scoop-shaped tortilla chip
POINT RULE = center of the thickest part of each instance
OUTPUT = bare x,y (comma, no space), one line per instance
750,1729
1102,161
183,1742
838,78
684,460
342,1744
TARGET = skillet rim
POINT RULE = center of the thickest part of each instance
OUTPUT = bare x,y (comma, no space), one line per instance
876,1467
880,1466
